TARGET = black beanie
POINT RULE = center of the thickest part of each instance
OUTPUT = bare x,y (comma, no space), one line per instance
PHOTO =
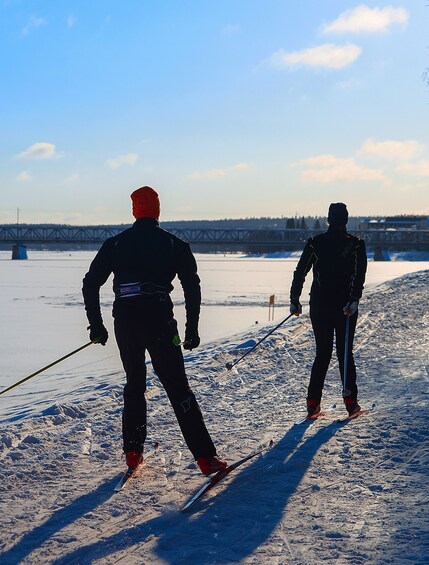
338,215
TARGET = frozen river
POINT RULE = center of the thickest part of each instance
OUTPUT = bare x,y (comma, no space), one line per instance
43,316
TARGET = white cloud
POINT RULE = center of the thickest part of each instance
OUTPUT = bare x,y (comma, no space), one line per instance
328,56
213,174
231,29
413,187
363,19
392,149
325,160
34,22
128,159
326,169
350,84
40,150
71,179
419,169
71,21
24,176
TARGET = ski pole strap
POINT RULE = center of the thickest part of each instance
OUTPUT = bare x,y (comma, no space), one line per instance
229,366
45,368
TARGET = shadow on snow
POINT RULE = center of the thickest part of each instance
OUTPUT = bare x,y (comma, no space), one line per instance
59,520
230,525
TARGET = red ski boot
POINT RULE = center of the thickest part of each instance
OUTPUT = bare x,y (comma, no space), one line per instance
133,459
352,405
209,465
313,408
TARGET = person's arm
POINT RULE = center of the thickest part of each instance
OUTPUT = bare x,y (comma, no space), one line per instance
362,262
304,265
190,281
359,273
358,278
98,273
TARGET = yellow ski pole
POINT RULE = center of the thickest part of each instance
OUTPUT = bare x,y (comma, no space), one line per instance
47,367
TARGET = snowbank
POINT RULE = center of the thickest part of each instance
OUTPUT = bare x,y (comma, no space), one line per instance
349,492
392,255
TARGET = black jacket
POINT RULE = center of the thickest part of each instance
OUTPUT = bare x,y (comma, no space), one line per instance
339,265
148,257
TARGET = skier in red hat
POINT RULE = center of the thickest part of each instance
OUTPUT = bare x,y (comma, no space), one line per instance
144,260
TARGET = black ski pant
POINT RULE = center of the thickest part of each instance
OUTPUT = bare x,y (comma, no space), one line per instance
141,326
328,320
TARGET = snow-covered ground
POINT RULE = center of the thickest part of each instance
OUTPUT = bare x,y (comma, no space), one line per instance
352,492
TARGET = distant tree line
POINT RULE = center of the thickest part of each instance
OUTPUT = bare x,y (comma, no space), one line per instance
309,222
292,223
302,222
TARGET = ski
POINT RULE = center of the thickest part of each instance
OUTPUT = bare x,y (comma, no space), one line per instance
133,471
312,418
356,414
220,475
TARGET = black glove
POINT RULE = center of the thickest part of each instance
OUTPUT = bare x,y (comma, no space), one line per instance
98,333
295,306
351,307
192,340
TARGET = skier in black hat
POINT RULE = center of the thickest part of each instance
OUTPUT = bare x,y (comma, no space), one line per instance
339,265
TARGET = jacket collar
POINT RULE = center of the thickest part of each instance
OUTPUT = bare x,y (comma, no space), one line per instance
337,229
142,222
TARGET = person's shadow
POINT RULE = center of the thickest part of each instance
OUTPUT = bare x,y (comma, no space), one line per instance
228,526
67,515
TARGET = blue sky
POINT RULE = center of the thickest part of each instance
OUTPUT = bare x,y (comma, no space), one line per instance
233,108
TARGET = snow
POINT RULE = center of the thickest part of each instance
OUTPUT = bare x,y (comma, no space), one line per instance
336,492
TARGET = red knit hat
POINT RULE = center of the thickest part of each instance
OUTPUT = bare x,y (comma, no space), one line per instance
145,203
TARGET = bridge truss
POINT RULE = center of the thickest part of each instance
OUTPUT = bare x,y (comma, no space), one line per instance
211,238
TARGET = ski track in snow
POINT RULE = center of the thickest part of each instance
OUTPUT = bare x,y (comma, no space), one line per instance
353,492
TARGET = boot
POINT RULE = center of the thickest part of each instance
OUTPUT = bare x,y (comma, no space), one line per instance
209,465
313,407
133,459
352,405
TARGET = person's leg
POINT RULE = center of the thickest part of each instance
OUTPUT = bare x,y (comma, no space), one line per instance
340,337
132,351
167,361
323,328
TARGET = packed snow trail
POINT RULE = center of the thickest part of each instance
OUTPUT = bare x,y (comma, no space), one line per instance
340,492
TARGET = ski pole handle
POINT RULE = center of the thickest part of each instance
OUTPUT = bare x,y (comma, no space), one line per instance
177,341
47,367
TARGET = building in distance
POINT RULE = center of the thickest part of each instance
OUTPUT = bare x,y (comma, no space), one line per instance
403,222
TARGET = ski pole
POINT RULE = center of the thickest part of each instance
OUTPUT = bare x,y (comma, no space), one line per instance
229,365
346,391
47,367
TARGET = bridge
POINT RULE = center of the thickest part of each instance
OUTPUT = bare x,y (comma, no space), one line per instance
211,239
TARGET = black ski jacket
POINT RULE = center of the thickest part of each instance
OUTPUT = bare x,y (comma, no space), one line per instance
339,266
144,260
